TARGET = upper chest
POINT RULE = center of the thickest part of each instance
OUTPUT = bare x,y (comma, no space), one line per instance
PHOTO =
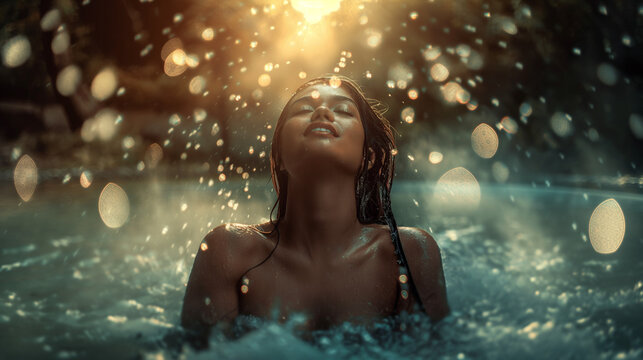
362,285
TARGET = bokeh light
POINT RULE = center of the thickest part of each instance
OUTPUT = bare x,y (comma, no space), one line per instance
104,84
500,171
561,124
264,80
457,190
607,227
86,179
68,80
25,177
484,141
153,155
408,115
435,157
16,51
50,20
113,206
439,72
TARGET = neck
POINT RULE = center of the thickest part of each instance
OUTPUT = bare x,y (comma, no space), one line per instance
321,215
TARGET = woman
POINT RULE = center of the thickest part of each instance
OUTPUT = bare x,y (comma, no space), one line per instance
334,253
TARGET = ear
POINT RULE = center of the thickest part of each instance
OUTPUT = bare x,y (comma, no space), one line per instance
371,158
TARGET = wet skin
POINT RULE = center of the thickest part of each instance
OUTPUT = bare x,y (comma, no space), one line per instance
327,266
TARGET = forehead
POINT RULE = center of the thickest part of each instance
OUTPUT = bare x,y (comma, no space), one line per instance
322,91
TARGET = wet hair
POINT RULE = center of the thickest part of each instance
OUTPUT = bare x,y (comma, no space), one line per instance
372,186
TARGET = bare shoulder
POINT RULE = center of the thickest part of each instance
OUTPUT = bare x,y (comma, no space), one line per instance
418,242
425,263
225,253
235,243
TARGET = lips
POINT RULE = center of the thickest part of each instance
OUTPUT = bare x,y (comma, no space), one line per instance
321,125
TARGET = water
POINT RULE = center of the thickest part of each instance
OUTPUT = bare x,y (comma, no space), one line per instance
523,279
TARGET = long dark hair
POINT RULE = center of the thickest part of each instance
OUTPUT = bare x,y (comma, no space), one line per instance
372,186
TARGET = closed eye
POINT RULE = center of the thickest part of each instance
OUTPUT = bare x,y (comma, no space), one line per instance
343,109
304,109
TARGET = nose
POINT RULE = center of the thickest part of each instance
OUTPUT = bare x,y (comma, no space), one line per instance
323,113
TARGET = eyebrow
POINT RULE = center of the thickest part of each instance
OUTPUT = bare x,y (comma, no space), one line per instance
335,98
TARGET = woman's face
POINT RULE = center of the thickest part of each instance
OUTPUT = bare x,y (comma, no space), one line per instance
322,128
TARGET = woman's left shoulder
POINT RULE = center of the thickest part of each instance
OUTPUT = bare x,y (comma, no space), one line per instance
416,241
425,263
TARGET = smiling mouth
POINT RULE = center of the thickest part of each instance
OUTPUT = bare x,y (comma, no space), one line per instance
321,129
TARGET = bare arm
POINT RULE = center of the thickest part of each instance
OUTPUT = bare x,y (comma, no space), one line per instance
425,263
211,295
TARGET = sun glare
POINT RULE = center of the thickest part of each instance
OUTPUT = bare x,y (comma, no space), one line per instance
315,10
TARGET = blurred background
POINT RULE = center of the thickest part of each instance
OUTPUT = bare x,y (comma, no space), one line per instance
130,128
90,85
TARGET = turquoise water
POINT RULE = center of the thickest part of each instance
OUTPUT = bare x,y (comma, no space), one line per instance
523,279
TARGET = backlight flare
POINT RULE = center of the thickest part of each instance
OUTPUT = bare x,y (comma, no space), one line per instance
315,10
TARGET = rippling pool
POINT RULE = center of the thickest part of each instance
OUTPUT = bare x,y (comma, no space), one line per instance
523,280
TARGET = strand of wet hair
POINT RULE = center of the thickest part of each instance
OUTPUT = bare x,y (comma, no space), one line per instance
267,257
395,236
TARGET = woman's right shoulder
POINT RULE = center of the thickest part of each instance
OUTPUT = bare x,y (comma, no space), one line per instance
236,241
